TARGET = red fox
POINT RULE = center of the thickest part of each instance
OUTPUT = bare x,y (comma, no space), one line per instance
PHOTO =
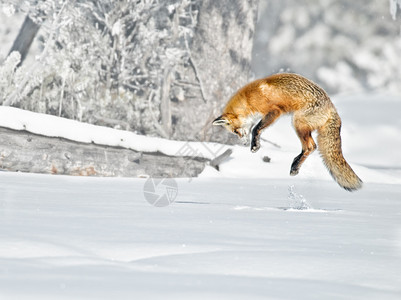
266,99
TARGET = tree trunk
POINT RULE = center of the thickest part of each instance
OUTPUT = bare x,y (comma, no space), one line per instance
25,37
165,105
221,59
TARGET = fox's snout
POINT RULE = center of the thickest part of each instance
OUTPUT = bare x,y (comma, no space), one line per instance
242,133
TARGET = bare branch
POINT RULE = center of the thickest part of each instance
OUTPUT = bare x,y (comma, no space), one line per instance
195,67
270,142
155,121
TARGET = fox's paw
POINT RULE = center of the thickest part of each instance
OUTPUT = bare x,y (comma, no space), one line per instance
294,171
255,146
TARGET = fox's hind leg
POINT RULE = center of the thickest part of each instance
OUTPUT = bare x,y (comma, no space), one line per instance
308,146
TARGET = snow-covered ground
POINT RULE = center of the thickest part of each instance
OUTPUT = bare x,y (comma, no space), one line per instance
248,232
88,238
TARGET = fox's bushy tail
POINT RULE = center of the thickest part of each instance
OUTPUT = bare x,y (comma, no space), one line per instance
329,145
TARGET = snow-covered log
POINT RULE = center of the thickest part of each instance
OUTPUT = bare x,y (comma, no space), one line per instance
26,152
39,143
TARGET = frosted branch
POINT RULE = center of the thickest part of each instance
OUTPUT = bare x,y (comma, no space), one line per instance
195,67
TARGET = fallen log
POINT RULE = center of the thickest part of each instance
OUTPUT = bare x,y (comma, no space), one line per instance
23,151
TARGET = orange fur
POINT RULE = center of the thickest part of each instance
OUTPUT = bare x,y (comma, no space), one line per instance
312,109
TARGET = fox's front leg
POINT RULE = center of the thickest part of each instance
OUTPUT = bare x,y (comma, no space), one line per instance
266,121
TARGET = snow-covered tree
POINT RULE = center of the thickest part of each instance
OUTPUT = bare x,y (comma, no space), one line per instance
133,64
344,45
394,4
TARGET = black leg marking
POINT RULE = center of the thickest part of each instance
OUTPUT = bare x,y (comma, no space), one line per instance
257,130
255,144
295,164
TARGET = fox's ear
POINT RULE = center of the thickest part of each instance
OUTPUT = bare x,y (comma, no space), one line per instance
221,121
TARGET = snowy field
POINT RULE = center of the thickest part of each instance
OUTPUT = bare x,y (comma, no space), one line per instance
248,232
